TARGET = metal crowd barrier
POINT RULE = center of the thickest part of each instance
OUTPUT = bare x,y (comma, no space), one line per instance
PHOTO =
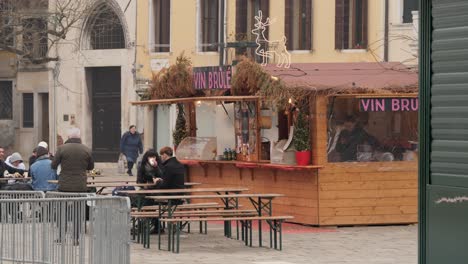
21,195
55,230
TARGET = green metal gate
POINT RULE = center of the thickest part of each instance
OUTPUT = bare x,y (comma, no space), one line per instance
443,172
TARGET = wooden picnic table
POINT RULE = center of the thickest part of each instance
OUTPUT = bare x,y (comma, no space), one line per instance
141,194
188,190
257,199
111,183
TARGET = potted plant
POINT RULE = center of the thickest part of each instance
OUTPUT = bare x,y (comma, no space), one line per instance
301,140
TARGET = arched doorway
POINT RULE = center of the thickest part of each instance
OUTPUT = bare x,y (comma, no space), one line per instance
105,32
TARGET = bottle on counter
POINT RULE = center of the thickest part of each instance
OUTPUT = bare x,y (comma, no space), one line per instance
229,153
225,154
234,154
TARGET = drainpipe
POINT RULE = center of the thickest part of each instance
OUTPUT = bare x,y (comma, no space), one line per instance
135,68
221,35
386,26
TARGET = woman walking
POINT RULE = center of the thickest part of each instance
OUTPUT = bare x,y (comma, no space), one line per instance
131,146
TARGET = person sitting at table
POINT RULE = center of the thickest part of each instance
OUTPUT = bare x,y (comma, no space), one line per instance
149,169
15,161
42,172
173,172
4,167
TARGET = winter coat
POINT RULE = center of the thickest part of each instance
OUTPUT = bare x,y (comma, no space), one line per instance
4,167
75,159
131,145
41,172
173,175
146,173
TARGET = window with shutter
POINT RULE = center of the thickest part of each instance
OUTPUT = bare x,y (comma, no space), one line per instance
246,10
28,110
162,24
351,24
6,100
298,24
209,25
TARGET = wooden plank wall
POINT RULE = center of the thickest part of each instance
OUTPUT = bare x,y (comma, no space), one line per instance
362,193
368,193
299,187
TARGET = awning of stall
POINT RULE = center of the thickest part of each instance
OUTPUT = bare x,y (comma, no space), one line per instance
349,78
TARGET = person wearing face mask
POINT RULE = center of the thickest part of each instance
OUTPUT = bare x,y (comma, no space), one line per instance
149,169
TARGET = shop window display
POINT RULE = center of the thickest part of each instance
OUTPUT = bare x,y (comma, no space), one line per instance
365,130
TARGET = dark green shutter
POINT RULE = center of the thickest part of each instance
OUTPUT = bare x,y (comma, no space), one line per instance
449,93
443,171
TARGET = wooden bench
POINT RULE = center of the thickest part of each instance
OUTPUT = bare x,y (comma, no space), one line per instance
183,206
144,218
275,223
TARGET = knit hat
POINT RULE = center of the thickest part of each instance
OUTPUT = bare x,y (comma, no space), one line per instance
42,151
43,144
16,157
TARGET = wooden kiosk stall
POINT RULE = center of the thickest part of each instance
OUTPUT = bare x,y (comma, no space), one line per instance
361,120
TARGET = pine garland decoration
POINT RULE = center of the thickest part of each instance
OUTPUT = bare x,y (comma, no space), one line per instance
175,81
180,131
301,138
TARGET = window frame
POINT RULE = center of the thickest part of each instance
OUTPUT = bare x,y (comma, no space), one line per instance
199,29
241,17
402,12
8,20
9,118
152,28
37,34
101,11
27,123
341,34
308,31
395,121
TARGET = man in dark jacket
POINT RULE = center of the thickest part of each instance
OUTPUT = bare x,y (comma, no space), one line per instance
131,146
75,159
4,167
352,136
173,172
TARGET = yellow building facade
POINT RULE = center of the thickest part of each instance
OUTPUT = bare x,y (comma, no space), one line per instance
184,27
183,22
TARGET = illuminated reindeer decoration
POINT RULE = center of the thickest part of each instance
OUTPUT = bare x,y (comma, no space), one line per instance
281,51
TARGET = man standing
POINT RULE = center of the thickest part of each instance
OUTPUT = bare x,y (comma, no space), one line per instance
173,176
131,146
353,135
75,159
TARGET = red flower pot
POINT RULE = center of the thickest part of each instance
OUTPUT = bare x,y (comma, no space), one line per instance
303,158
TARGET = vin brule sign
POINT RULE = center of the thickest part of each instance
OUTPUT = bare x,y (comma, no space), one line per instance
218,77
388,104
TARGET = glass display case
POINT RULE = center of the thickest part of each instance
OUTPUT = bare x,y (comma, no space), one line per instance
197,148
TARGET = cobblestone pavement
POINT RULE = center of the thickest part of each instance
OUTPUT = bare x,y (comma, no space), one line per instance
351,245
